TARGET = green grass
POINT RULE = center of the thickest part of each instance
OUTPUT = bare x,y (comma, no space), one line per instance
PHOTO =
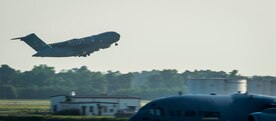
38,110
24,107
59,118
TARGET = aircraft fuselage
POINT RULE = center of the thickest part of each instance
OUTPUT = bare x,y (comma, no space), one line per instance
237,107
74,47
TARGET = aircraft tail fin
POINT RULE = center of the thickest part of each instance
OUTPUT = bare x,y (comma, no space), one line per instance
33,41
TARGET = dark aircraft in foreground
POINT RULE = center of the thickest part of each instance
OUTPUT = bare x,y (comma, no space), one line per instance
74,47
236,107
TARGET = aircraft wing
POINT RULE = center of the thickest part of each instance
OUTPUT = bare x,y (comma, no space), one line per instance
266,115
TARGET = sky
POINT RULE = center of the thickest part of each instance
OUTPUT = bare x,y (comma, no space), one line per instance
218,35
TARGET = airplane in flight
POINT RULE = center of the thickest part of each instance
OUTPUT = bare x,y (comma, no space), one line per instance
236,107
80,47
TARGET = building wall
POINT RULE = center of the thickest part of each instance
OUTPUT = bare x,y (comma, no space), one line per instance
105,100
83,104
69,106
55,103
92,108
95,99
126,103
123,103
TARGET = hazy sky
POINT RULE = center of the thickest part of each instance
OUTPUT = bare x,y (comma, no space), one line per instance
155,34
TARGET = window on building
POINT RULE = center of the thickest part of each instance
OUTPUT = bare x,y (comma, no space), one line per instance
54,108
91,109
104,109
68,99
83,108
111,110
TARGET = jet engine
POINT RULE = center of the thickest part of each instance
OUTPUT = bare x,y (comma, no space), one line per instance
268,114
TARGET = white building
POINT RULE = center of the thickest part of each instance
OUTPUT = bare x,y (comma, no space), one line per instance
221,86
94,105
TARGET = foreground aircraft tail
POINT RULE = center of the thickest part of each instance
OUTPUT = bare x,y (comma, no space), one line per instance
33,41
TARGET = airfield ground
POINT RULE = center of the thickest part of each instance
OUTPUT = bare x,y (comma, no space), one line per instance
38,110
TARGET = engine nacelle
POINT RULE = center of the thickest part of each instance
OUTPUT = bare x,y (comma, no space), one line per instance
268,114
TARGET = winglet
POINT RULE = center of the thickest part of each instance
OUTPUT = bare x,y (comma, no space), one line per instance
23,37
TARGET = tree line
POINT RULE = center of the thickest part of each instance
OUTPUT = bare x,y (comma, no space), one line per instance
43,81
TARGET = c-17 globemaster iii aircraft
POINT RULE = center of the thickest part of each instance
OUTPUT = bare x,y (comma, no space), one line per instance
74,47
236,107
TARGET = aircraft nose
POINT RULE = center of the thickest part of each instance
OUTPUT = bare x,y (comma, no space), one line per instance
117,36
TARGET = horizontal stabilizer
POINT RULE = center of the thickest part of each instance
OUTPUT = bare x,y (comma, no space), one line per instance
17,38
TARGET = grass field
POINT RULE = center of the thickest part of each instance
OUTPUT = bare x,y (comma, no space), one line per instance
38,110
24,107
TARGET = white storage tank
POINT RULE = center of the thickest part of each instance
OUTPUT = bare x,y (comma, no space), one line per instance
220,86
235,85
205,86
273,88
261,86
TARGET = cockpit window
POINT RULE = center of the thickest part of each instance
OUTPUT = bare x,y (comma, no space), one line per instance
152,111
156,111
142,109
